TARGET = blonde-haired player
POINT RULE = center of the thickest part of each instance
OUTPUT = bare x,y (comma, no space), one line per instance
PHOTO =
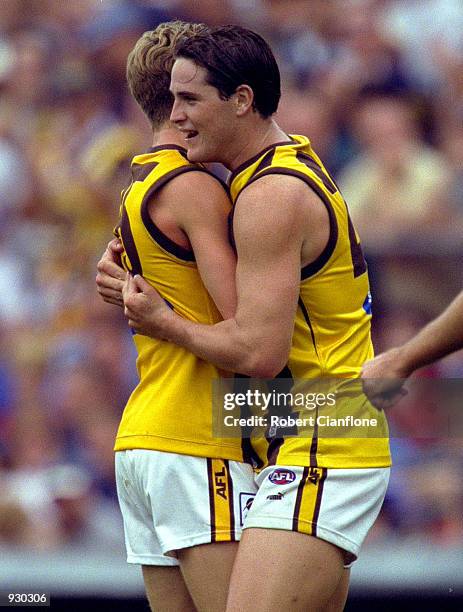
182,491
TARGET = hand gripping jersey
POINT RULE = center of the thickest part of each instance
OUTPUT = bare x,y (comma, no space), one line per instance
171,407
331,338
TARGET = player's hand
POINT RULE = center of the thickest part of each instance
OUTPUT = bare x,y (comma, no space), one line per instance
111,276
144,308
383,379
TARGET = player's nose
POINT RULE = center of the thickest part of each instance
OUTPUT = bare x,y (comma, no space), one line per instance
177,114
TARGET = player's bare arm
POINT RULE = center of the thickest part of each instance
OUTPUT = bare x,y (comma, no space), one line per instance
279,225
110,277
192,210
197,205
384,376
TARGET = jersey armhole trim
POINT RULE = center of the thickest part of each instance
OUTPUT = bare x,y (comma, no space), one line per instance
157,234
256,157
317,264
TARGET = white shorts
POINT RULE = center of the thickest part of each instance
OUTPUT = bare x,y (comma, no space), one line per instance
336,505
170,501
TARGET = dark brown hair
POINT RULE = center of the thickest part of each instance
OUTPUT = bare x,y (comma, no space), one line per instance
234,56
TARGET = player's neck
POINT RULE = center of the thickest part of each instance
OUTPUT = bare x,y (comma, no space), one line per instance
260,136
168,135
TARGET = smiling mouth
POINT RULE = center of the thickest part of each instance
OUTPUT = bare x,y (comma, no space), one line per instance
190,134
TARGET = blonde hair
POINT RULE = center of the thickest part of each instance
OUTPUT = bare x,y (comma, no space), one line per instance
149,65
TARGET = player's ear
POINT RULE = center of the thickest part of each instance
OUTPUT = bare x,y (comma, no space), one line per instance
244,99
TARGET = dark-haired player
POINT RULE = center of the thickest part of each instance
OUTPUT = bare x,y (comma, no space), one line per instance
303,309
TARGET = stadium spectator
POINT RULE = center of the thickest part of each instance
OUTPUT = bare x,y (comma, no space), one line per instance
394,187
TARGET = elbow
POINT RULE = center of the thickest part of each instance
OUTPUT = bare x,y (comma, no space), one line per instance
260,355
261,364
264,371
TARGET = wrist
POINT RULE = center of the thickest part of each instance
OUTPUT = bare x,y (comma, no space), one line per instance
173,327
405,361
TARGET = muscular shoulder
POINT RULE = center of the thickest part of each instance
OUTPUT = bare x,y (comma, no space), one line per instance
194,192
285,214
267,210
281,193
190,200
279,200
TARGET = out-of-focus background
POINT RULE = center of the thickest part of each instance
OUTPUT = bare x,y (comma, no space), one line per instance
377,85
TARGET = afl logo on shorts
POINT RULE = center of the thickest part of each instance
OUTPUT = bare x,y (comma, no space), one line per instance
282,476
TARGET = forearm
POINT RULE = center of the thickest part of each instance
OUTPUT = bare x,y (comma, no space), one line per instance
439,338
225,344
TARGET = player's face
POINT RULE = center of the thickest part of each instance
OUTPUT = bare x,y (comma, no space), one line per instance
200,114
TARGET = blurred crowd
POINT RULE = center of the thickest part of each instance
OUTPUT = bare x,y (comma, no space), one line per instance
378,87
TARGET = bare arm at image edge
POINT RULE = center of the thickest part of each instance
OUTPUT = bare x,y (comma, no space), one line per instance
385,374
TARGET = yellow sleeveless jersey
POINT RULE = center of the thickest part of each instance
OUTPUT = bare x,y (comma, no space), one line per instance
171,407
331,338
